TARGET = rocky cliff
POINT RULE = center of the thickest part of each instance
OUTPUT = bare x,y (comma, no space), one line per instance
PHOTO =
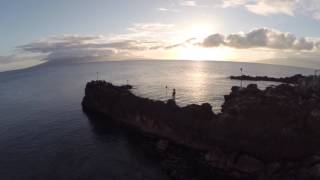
260,134
293,79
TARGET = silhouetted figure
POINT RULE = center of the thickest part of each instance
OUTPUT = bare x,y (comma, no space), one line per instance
174,94
166,91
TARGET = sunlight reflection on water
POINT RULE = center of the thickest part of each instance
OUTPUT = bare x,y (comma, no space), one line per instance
200,82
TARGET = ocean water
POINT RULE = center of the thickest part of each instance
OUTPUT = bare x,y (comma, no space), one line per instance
45,135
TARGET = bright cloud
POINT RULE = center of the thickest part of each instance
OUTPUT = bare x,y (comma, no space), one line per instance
268,7
261,38
264,7
188,3
232,3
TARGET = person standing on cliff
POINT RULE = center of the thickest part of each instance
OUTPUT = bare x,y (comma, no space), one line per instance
174,94
166,91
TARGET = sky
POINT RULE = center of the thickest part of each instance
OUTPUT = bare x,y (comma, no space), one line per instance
280,32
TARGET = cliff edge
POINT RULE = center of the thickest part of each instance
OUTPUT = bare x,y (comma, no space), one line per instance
271,134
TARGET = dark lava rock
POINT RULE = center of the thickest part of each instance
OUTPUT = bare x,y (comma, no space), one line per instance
267,134
292,80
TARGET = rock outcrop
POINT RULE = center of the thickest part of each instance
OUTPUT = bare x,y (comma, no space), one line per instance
292,80
260,134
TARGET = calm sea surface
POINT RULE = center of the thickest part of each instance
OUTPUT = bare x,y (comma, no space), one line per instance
45,135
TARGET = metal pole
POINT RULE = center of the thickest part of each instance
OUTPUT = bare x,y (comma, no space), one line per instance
241,77
97,76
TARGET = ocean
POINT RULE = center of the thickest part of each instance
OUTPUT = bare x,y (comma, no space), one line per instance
45,135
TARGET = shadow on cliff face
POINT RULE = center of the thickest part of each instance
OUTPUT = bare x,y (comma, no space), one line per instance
103,125
123,154
177,161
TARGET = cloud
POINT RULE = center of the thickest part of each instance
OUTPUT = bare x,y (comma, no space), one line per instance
147,32
261,38
150,27
309,7
272,7
188,3
303,44
13,62
233,3
139,38
214,40
264,7
269,7
70,46
188,41
162,9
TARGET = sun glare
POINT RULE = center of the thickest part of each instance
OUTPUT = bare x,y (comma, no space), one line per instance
199,30
191,50
200,53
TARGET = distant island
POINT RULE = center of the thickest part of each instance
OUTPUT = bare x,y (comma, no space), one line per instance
259,134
